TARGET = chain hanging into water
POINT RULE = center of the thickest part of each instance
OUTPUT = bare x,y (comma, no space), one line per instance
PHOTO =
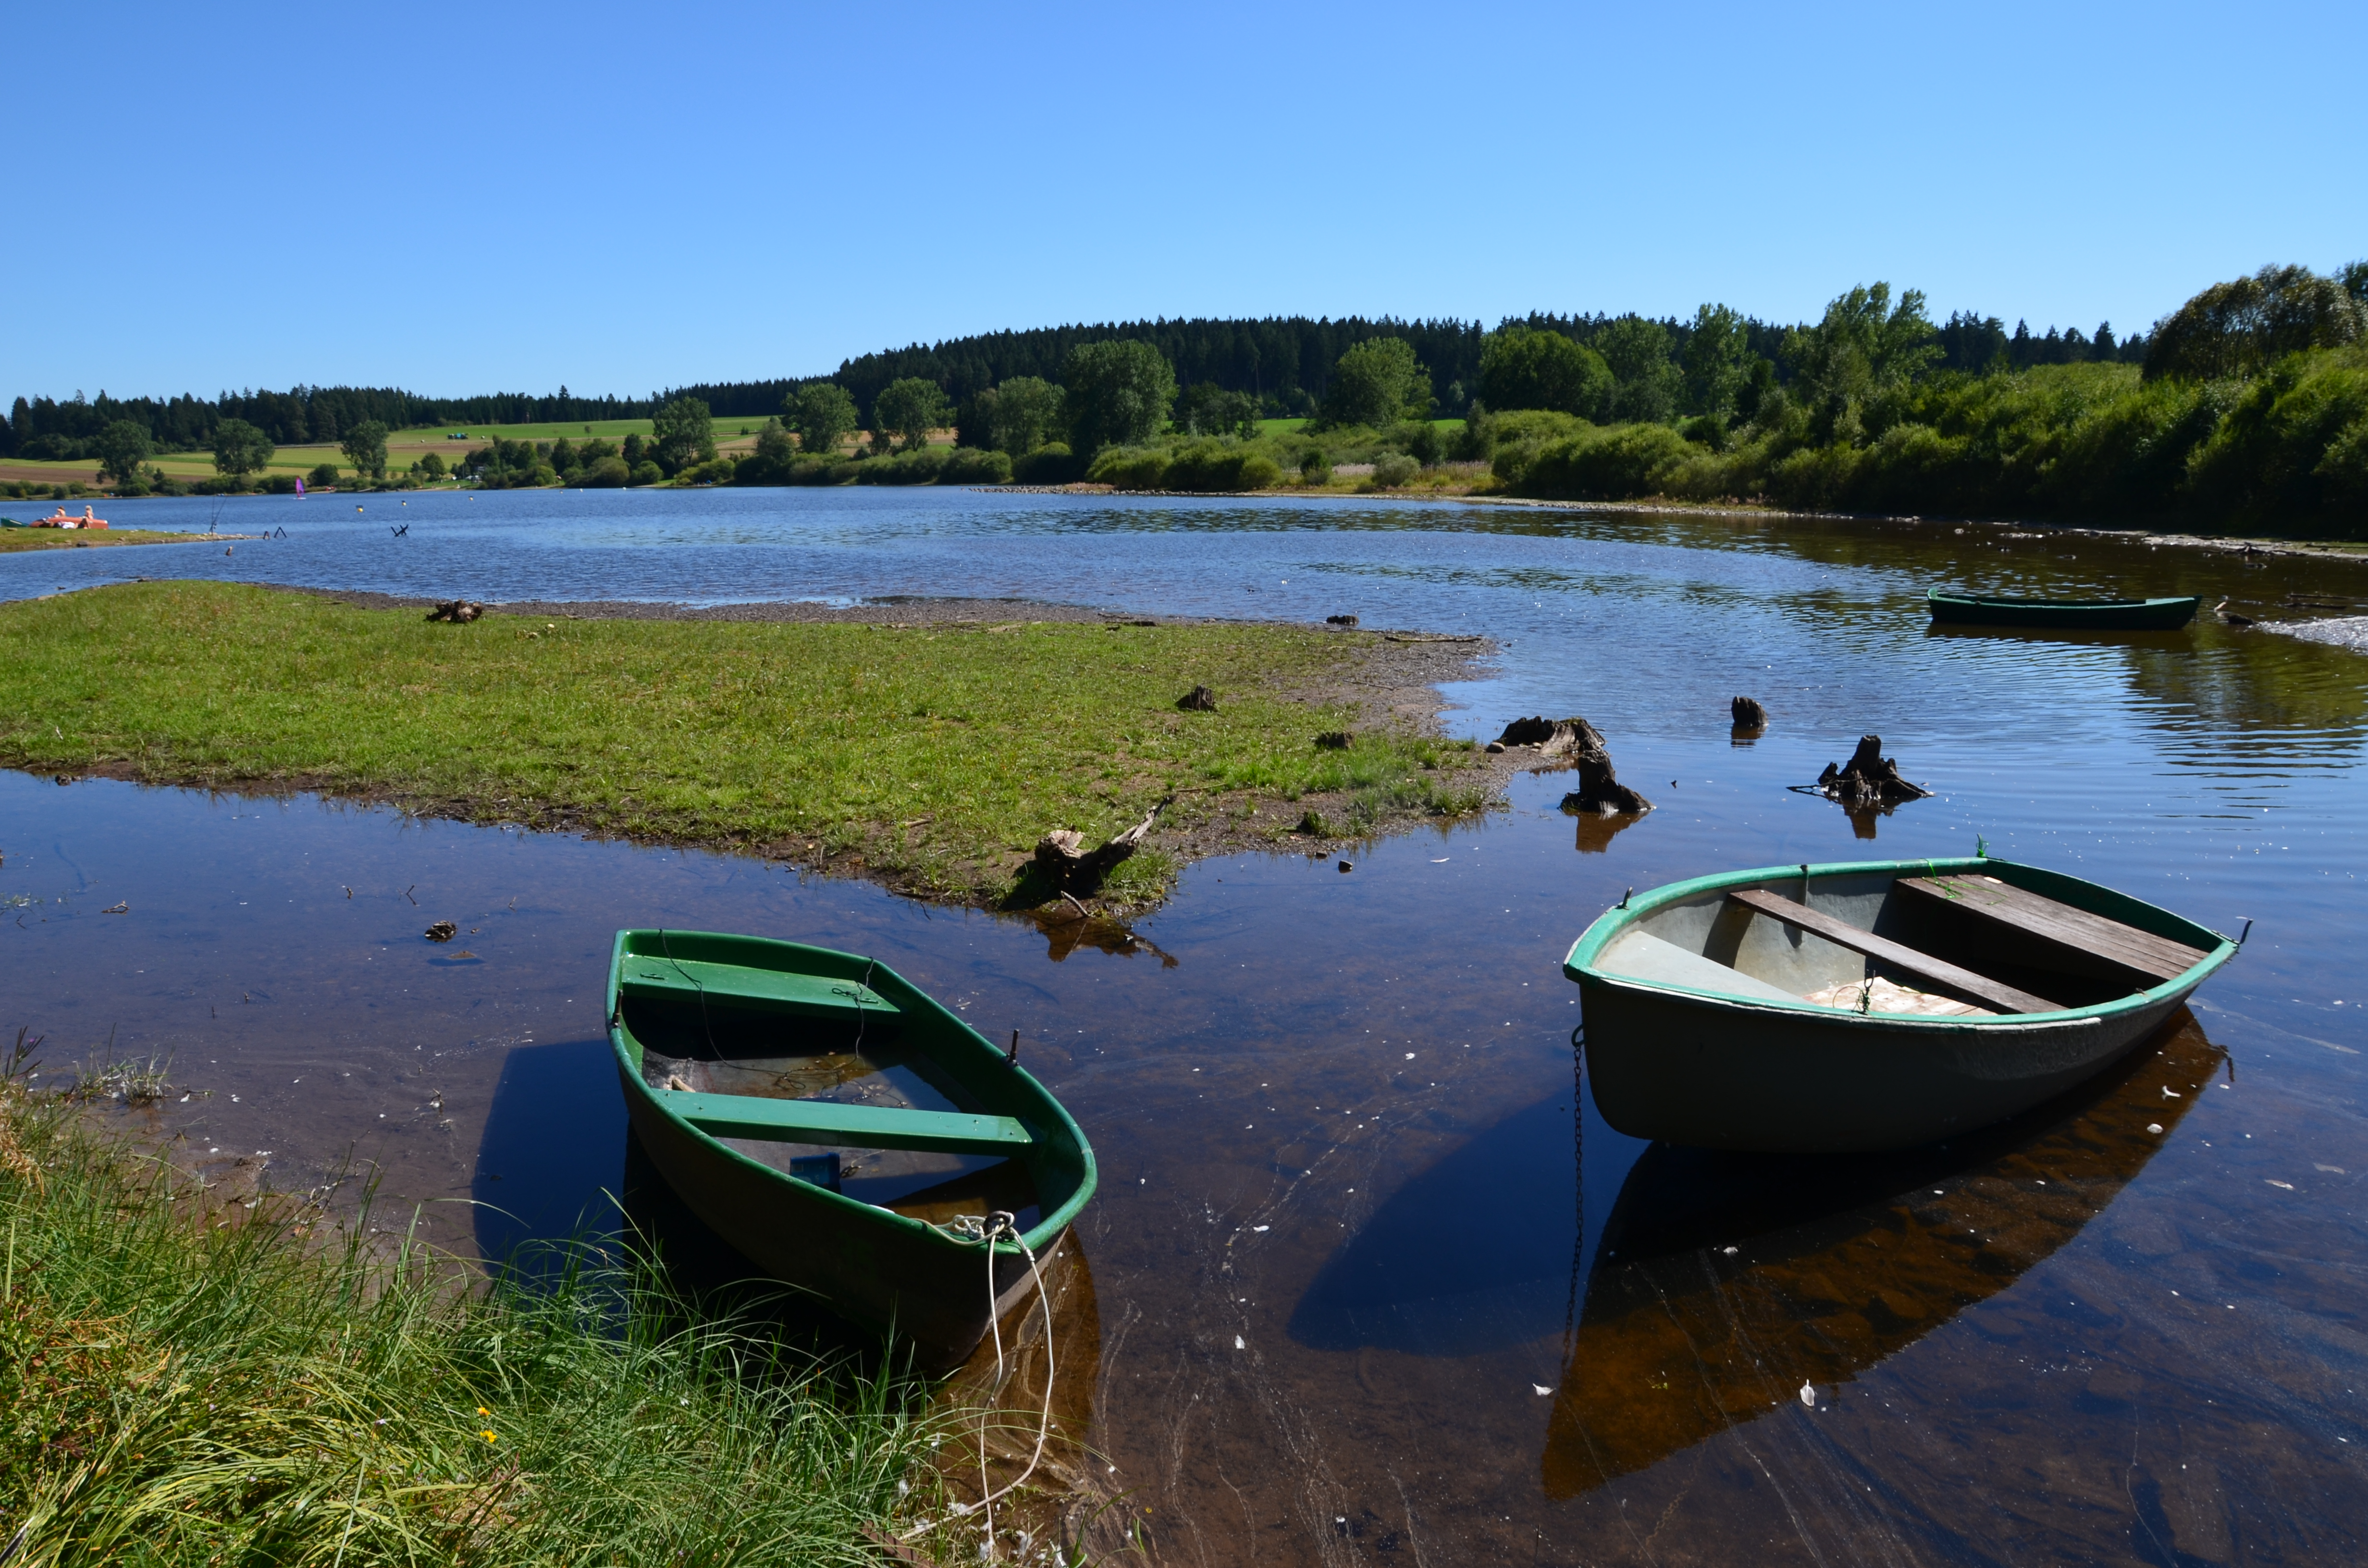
988,1229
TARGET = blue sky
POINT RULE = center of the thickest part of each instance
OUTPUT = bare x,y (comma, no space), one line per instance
518,197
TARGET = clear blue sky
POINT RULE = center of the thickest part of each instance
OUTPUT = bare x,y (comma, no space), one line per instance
618,198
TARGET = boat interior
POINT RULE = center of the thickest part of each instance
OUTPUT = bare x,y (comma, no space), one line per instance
1936,945
821,1080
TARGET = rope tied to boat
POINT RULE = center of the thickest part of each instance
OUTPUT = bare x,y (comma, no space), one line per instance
984,1231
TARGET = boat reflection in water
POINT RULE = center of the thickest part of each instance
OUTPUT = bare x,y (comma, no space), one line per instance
1724,1282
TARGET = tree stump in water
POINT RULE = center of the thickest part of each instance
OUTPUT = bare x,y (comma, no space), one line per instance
1599,788
1869,780
1200,700
1063,858
1553,737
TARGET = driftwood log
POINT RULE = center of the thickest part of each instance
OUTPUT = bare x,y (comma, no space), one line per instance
1063,858
1869,780
462,610
1200,700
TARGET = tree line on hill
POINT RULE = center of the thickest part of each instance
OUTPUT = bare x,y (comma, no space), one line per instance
2245,407
1283,363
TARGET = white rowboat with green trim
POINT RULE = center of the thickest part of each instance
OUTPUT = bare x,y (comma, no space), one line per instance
1870,1005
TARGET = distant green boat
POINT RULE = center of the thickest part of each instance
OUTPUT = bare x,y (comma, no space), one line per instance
842,1130
2081,615
1870,1005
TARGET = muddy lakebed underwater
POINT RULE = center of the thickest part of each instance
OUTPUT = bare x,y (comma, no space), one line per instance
1356,1284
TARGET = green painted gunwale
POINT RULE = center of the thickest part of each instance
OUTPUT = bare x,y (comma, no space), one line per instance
1039,1102
2093,897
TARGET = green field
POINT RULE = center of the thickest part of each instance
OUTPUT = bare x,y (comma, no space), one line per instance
930,756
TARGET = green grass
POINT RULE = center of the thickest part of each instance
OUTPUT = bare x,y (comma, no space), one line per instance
186,1381
934,755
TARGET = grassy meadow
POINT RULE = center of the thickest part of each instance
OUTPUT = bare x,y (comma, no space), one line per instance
930,756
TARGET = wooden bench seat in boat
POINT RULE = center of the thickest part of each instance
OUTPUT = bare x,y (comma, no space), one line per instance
1997,994
688,979
2156,957
855,1126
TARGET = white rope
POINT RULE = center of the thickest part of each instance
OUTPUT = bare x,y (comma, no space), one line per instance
988,1229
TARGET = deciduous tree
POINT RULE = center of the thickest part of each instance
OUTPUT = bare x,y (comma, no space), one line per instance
1521,367
240,449
1378,382
121,447
2238,328
1117,393
908,409
682,434
1717,360
1025,414
822,413
365,448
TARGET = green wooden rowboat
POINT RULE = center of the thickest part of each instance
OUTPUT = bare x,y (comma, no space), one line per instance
842,1130
1874,1004
2090,615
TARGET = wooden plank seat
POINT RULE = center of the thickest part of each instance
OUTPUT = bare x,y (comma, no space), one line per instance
2142,952
1995,992
688,979
855,1126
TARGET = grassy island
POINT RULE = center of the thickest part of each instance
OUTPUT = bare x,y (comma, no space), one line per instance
930,756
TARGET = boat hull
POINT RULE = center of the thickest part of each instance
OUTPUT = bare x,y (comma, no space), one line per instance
2070,615
936,1292
1735,1075
883,1276
1677,1063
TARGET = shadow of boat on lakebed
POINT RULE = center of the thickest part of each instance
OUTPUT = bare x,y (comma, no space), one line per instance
1725,1284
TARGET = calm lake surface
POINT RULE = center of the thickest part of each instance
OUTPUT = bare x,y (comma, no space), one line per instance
1360,1289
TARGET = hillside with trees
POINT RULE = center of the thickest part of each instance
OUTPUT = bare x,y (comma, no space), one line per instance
2247,409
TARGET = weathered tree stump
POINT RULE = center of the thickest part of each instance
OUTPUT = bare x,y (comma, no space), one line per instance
1200,700
459,610
1869,780
1553,737
1599,788
1063,858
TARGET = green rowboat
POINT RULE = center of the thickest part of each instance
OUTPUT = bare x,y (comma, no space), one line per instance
1874,1004
842,1130
2084,615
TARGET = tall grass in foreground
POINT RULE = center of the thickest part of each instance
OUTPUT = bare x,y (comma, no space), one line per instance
188,1383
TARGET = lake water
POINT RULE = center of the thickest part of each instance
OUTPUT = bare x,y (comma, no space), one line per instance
1359,1289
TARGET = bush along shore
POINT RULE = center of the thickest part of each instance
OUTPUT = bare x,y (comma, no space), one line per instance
190,1377
933,757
